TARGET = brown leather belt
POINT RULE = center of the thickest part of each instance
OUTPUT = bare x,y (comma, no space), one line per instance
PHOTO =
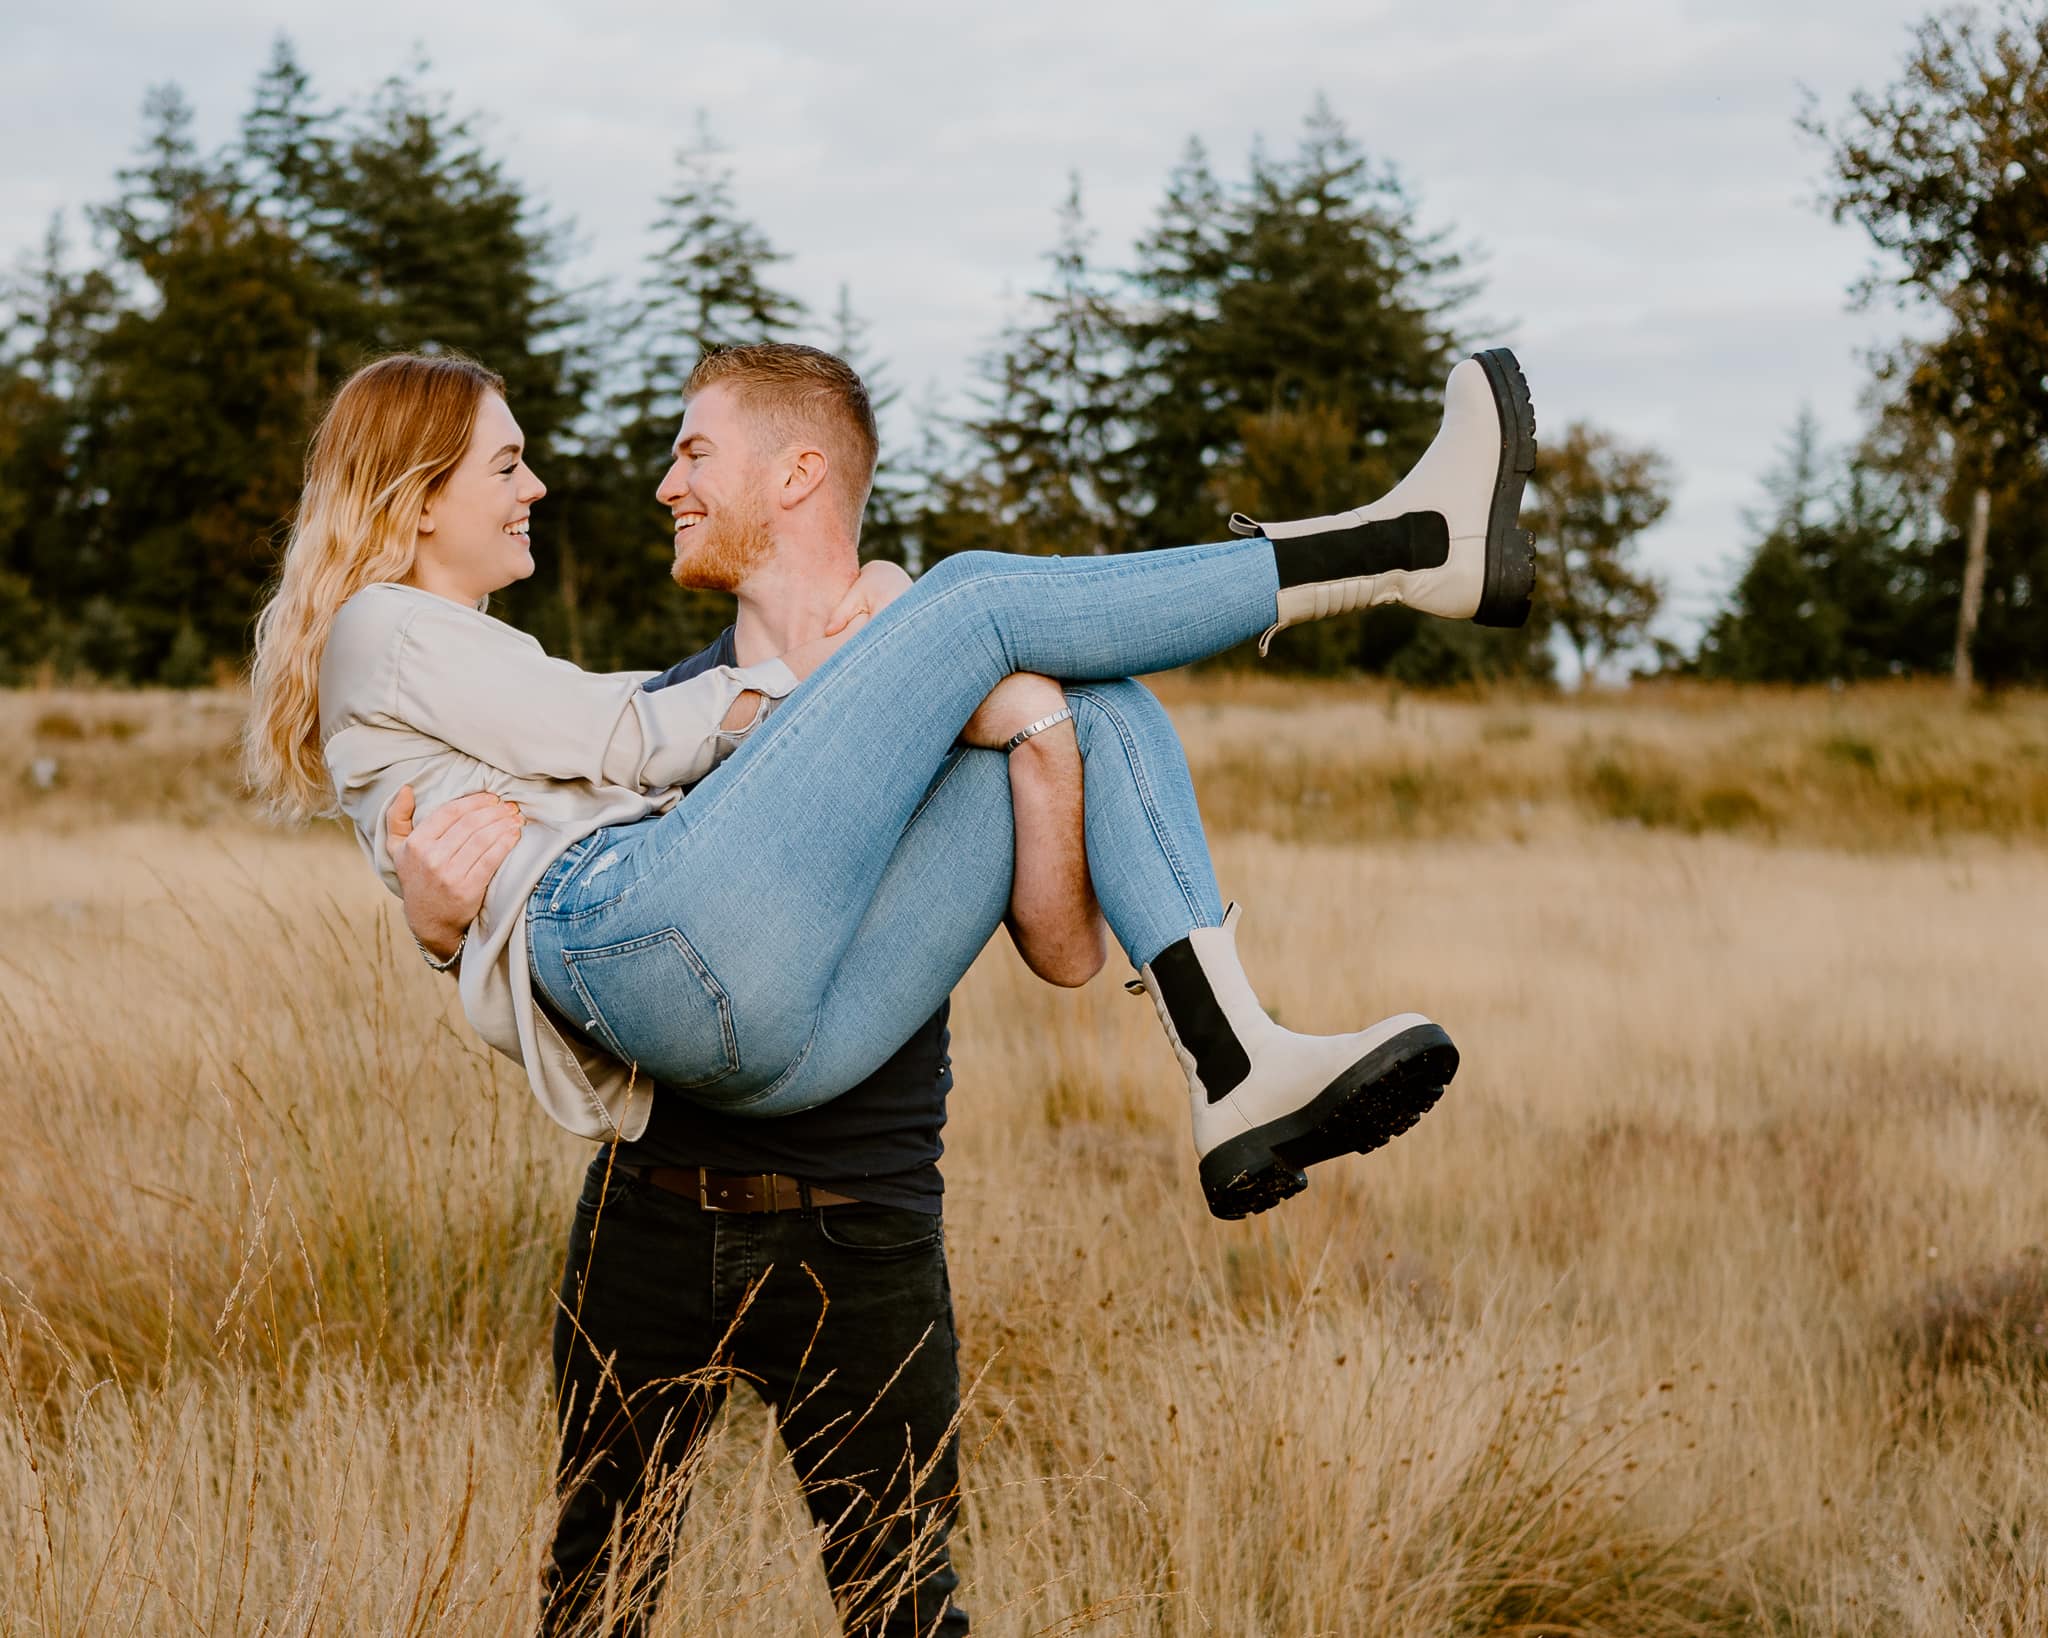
741,1191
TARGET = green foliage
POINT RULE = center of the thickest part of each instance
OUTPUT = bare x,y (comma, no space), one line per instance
1290,338
1947,171
153,412
1052,424
1594,496
1279,348
1308,286
705,285
1839,585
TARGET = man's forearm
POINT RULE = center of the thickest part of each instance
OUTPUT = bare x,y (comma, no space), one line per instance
1054,919
438,941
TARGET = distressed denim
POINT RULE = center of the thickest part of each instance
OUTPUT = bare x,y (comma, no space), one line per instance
772,939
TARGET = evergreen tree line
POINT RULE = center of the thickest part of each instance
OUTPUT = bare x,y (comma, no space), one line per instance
1275,342
1859,565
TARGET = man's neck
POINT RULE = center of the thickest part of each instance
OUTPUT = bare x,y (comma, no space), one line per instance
787,600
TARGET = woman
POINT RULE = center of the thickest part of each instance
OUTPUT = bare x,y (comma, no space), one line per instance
764,945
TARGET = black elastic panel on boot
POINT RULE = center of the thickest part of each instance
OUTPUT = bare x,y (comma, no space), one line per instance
1198,1020
1414,540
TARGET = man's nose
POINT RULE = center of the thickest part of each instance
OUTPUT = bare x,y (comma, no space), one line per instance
674,486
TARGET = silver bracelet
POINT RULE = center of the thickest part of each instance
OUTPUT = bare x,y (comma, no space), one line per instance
1063,714
435,961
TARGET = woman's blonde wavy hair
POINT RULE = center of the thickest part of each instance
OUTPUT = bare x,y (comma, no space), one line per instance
386,445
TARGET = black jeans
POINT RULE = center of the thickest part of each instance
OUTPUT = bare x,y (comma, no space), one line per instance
847,1333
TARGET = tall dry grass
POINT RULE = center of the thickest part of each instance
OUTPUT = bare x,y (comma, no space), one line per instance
1709,1301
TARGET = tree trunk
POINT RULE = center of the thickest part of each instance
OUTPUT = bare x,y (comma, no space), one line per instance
1973,587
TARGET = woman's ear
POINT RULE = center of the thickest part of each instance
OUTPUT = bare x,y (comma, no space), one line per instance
426,523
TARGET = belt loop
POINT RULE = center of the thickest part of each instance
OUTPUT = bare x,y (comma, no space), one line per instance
703,1198
803,1193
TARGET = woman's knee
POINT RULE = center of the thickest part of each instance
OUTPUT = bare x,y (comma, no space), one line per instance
964,568
1125,708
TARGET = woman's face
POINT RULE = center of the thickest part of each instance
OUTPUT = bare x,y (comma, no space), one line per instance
473,534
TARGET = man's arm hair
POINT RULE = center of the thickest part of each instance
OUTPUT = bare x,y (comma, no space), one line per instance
1053,919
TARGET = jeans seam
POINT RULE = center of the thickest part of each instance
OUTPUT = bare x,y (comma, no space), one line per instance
736,1105
1160,833
721,1000
953,761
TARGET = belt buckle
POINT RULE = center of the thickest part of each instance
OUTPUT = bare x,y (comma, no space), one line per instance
705,1202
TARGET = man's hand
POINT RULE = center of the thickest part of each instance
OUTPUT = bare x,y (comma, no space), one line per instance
876,586
1013,705
445,863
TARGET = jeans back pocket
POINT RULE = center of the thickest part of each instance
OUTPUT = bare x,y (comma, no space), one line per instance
651,1002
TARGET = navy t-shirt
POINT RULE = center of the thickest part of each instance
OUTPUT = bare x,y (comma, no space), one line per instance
878,1142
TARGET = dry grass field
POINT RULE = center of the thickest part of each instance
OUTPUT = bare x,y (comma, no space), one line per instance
1712,1300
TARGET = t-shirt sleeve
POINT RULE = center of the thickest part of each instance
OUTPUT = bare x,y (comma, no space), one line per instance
719,653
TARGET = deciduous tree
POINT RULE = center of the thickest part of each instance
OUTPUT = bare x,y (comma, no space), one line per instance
1593,496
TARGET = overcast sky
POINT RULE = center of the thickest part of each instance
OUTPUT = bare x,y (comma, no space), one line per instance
1629,170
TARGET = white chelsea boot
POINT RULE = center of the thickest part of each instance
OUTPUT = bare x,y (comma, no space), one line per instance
1444,539
1269,1103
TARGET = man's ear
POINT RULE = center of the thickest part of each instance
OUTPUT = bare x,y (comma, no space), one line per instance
802,478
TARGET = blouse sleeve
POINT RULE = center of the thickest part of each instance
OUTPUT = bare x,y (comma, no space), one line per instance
490,691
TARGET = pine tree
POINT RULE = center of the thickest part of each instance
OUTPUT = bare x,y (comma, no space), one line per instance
706,284
1051,431
288,155
48,332
444,251
197,416
1837,584
447,250
1291,337
165,180
886,525
190,408
1307,287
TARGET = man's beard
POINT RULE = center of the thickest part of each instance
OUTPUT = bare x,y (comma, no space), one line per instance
719,553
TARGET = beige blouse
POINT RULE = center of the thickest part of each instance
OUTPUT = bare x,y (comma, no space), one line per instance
416,689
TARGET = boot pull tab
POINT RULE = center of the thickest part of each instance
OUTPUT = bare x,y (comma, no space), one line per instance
1242,525
1232,913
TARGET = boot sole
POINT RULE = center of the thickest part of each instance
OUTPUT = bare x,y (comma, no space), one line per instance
1371,1103
1510,549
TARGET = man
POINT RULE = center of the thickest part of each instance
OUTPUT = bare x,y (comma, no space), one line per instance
804,1253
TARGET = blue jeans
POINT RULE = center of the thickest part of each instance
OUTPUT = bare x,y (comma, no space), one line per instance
769,941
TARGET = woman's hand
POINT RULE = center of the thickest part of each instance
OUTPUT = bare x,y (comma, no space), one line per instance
1013,705
876,586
